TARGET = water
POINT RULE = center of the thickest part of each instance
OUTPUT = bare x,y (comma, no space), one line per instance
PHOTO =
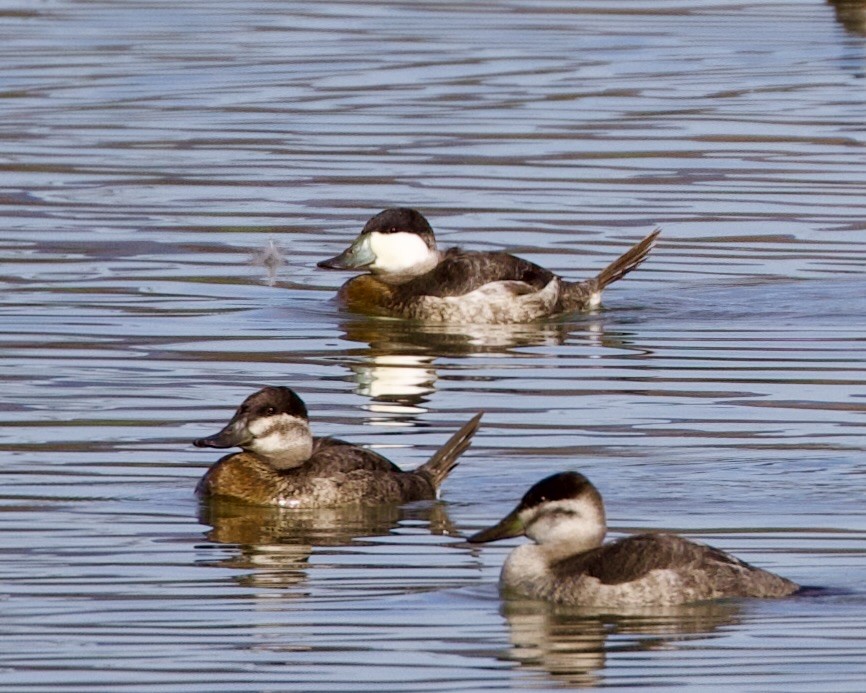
153,151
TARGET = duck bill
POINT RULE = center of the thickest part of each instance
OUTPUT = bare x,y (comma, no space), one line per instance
233,435
509,526
356,256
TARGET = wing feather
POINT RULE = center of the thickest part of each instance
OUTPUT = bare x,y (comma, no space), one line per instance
462,272
632,558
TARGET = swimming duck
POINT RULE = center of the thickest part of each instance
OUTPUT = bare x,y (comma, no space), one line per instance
281,463
564,515
409,277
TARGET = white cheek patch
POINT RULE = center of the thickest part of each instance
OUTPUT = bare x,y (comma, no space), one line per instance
260,427
278,434
570,521
397,252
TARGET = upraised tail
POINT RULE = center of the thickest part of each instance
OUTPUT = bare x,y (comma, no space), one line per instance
445,459
587,294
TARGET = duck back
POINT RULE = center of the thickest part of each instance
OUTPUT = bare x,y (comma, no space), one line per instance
337,473
460,272
651,569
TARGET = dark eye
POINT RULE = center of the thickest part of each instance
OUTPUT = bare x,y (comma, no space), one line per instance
270,411
393,229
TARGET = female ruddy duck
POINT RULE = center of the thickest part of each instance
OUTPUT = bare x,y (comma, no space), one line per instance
283,464
564,515
410,278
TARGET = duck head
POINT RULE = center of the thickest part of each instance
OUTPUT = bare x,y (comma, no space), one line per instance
395,245
563,513
272,424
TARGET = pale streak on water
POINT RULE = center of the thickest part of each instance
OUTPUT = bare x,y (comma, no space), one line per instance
150,149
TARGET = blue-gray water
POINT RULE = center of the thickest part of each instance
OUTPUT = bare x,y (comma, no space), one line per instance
151,152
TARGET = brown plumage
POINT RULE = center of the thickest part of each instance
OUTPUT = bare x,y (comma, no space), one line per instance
282,464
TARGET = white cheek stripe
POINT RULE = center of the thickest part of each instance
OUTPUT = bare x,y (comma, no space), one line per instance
277,433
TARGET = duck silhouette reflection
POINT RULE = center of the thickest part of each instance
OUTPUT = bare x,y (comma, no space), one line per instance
570,644
275,544
398,370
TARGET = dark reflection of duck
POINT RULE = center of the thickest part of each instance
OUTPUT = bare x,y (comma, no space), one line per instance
564,515
570,644
275,543
283,464
409,277
397,337
851,14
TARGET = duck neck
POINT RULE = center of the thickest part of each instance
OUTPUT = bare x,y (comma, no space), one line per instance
554,551
289,458
526,566
284,442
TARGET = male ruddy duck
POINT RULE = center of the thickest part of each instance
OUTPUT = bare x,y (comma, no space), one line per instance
564,515
410,278
283,464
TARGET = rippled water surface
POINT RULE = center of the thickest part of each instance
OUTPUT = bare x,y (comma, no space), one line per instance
158,158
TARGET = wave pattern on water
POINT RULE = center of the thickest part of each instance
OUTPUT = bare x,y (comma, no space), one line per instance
170,176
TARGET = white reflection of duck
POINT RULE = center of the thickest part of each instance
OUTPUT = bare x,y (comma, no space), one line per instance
398,373
396,383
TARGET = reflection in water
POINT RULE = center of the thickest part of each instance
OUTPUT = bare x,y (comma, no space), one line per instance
396,383
851,14
139,168
399,373
570,644
387,336
276,543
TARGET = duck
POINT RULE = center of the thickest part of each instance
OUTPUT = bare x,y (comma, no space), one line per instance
282,464
407,276
568,563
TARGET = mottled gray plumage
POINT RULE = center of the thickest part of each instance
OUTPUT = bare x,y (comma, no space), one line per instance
564,515
657,568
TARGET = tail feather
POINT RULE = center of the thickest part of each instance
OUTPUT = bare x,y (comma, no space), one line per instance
446,458
629,260
587,294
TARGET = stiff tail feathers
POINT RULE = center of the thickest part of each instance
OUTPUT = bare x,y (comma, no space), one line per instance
446,458
587,294
629,260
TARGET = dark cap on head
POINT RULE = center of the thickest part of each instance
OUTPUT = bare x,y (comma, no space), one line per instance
556,487
401,219
274,400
